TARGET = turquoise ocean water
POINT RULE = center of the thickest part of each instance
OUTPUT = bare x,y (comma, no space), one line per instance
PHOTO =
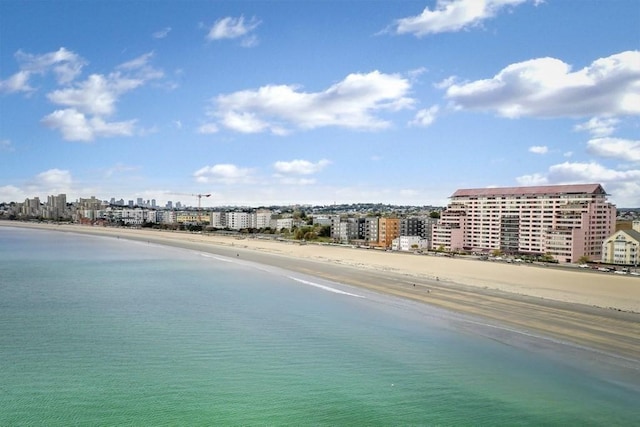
104,331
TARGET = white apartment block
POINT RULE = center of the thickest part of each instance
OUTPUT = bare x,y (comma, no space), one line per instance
409,243
218,219
262,219
133,216
166,217
564,221
279,224
238,220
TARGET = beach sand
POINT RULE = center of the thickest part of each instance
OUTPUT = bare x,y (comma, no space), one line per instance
588,308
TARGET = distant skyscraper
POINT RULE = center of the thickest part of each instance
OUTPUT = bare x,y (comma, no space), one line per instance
169,205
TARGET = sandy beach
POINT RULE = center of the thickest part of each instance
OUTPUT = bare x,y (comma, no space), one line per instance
590,308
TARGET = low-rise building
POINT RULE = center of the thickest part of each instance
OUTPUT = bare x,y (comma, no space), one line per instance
622,248
409,243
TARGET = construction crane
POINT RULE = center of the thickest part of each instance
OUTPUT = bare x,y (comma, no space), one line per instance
199,196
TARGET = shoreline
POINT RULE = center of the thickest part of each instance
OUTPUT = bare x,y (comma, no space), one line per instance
595,310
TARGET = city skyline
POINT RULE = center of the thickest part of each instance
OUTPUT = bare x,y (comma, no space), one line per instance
321,102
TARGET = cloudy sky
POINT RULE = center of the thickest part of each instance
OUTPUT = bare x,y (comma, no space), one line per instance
320,102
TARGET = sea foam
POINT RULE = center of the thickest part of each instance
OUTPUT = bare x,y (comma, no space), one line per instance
326,288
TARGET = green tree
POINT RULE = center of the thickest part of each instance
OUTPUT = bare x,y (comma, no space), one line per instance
583,259
324,231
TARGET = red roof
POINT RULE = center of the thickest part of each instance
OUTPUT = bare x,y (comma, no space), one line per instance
522,191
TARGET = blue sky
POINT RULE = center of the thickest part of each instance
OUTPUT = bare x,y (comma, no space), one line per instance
317,102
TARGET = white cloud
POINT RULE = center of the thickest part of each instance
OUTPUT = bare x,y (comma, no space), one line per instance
623,185
450,16
588,172
232,28
208,128
89,102
415,73
546,87
96,95
160,34
244,122
616,148
599,126
65,64
48,182
533,179
12,193
539,149
425,117
300,167
289,173
52,181
351,103
54,178
75,126
445,83
19,82
137,63
224,173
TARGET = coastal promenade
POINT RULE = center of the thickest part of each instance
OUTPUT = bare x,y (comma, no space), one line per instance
591,309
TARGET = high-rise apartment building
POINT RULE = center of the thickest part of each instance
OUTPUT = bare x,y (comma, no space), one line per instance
564,221
31,207
56,207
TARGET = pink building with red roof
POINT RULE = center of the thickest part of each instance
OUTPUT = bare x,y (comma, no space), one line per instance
564,221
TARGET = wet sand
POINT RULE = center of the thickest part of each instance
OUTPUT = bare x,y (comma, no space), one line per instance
592,309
